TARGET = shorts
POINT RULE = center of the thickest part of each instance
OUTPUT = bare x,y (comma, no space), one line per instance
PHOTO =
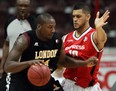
21,83
3,82
69,85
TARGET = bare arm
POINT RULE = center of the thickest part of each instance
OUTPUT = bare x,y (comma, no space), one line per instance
5,50
12,65
4,55
100,37
69,62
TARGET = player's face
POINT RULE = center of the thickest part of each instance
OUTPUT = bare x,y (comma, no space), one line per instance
23,8
80,19
48,29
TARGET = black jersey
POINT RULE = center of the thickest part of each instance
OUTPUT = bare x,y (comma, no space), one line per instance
44,50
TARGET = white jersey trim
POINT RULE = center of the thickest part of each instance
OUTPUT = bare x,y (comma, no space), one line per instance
96,48
64,37
8,79
82,34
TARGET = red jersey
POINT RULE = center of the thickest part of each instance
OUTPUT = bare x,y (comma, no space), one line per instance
82,48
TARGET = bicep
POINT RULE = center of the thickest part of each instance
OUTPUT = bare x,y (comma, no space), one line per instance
5,46
18,48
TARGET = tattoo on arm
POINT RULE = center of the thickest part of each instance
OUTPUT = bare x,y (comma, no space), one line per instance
19,46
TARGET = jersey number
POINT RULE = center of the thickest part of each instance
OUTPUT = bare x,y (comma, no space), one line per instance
73,53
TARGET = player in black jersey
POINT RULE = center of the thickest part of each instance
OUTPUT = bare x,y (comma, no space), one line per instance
22,21
40,45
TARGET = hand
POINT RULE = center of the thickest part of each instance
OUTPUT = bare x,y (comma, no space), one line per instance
36,62
92,61
99,22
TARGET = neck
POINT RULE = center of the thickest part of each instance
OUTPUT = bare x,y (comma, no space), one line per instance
22,17
40,36
82,29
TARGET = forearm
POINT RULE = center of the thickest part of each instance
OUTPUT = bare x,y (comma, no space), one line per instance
72,63
4,55
101,36
14,67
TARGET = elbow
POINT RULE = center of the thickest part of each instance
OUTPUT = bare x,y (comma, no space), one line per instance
6,68
106,38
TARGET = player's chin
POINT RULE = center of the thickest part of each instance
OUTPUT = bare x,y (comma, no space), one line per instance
76,26
50,36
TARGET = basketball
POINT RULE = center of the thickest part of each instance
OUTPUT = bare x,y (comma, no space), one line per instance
39,75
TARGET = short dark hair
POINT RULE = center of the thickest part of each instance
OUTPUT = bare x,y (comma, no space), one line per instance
83,6
41,19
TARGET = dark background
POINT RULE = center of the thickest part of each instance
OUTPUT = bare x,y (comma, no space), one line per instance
61,10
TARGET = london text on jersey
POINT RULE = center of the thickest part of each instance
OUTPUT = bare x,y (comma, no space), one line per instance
46,54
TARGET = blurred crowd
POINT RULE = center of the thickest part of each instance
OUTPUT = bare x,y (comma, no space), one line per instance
61,10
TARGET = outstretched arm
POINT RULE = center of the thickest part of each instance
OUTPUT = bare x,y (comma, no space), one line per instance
66,61
100,37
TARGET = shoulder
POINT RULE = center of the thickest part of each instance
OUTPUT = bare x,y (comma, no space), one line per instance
30,33
64,37
10,20
92,29
67,35
20,44
22,41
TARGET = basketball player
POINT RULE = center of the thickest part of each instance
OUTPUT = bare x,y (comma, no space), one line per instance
22,22
83,43
36,46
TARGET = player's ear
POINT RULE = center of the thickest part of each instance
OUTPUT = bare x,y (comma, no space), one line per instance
88,17
38,26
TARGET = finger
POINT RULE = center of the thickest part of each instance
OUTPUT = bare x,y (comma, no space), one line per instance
39,62
42,62
105,23
105,18
106,13
97,15
36,63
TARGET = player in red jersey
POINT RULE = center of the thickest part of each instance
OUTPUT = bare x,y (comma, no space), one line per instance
83,43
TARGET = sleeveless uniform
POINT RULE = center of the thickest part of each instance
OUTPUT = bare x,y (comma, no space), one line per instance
13,28
81,48
37,49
